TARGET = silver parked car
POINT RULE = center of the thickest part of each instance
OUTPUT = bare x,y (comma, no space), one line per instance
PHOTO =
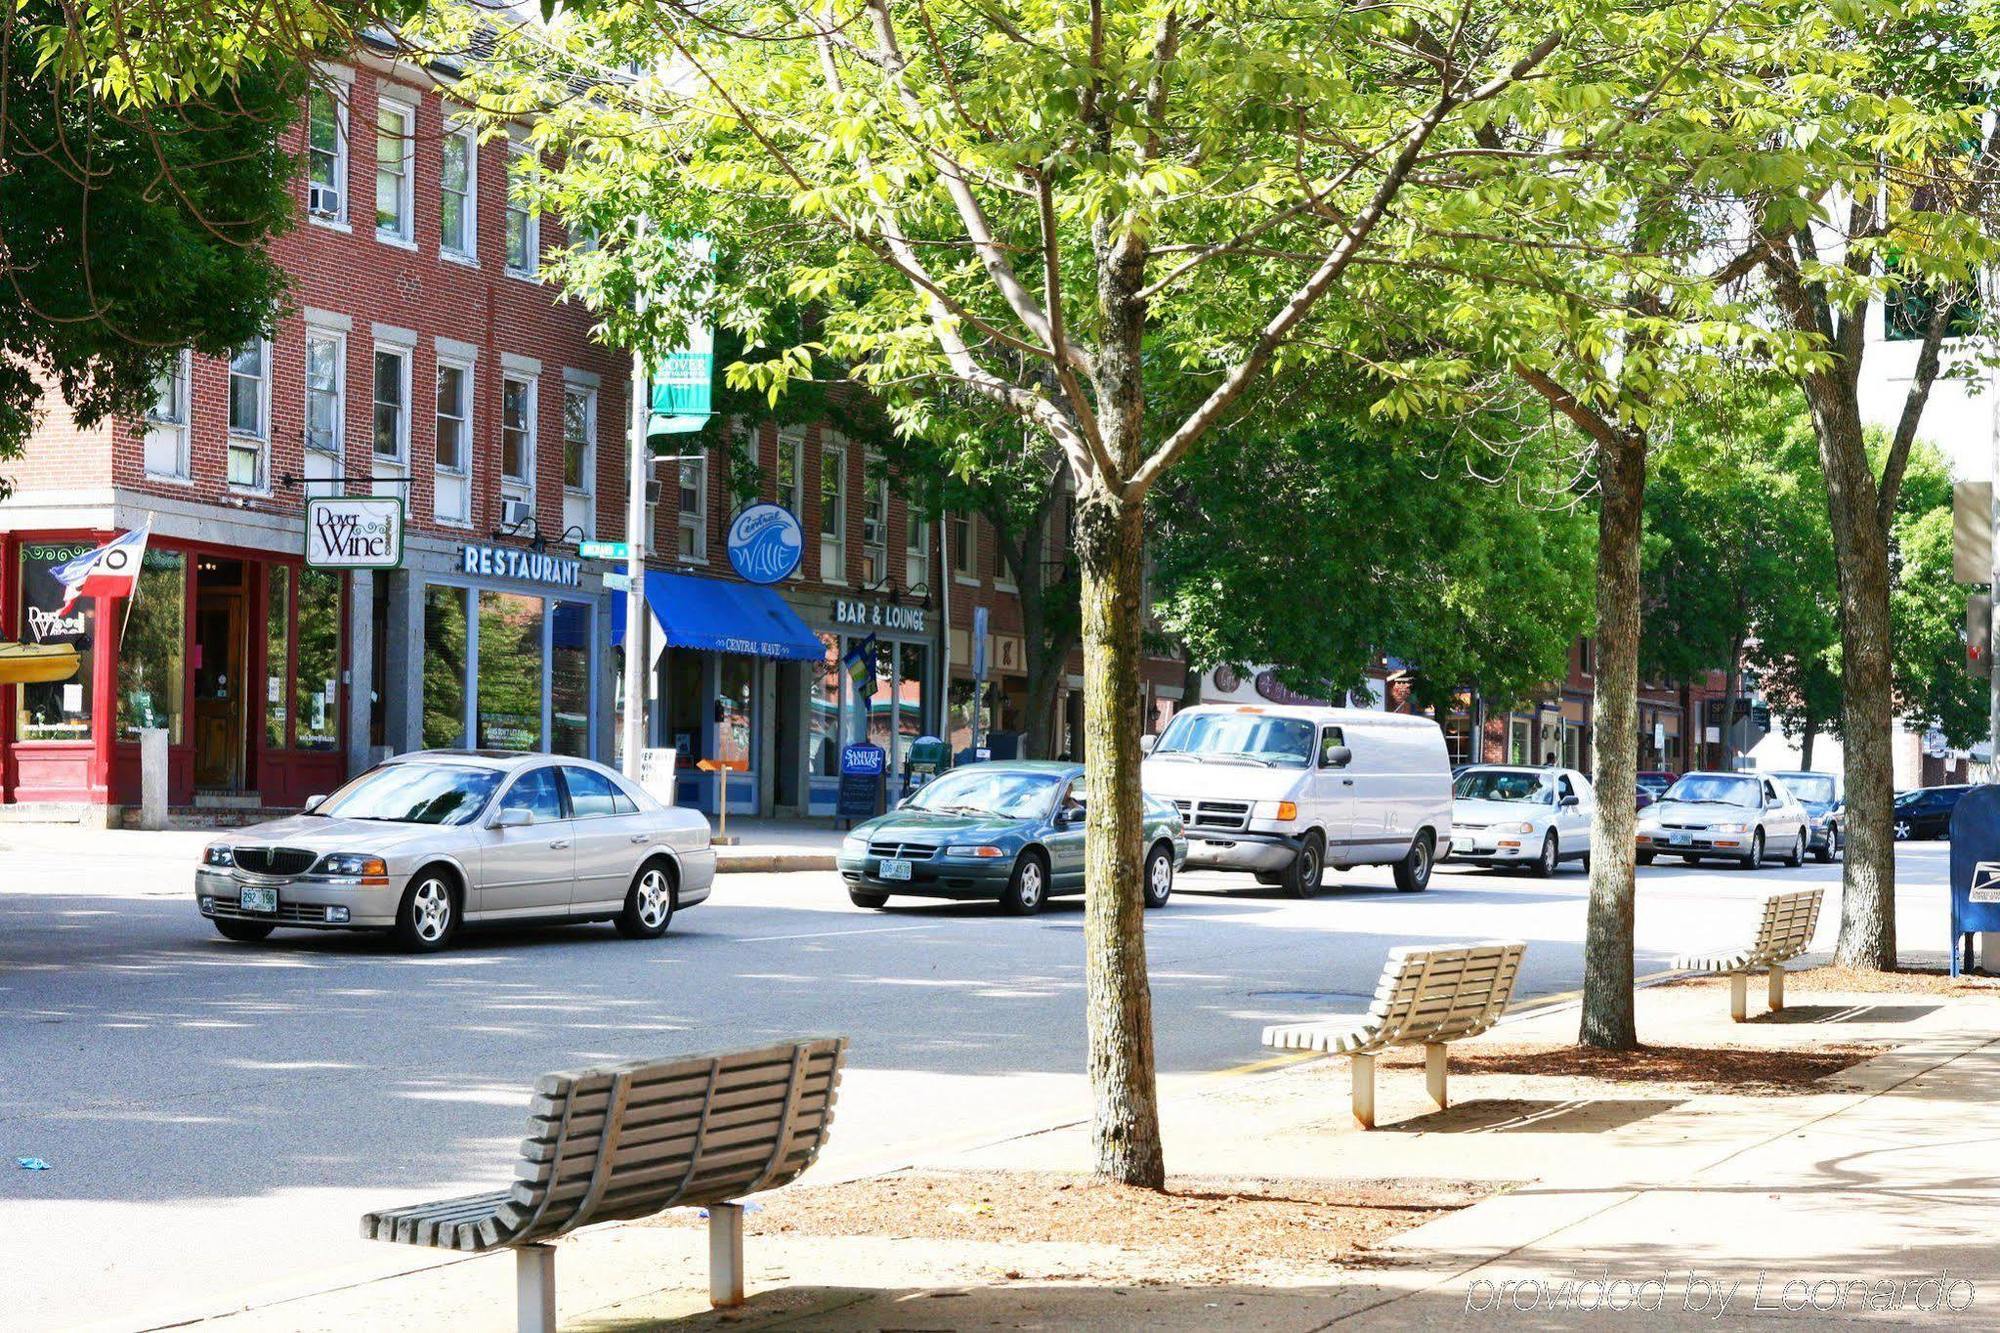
1742,817
425,841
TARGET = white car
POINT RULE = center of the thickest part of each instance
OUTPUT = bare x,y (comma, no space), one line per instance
1515,815
1284,791
1743,817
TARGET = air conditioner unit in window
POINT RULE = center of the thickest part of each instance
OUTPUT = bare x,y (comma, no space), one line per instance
323,200
516,513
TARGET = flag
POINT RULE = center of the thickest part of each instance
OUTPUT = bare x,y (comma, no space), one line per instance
861,662
112,570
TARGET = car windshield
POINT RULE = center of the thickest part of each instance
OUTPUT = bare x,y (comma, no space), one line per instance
1272,741
1716,789
414,794
1815,787
1652,782
1010,793
1502,784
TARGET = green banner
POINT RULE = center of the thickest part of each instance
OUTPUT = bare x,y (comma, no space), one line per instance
682,394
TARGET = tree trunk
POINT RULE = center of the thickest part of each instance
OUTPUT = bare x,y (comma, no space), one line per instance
1607,957
1125,1126
1861,545
1038,727
1732,688
1807,735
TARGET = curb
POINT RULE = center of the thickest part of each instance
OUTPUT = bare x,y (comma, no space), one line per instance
771,862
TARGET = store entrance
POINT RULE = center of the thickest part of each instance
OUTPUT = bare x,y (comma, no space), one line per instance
221,674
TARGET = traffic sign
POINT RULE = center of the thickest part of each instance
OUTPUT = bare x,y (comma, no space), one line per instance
604,550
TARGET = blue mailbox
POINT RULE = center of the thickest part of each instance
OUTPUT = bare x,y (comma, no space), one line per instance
1975,870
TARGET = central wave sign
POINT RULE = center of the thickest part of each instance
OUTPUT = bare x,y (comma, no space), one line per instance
766,542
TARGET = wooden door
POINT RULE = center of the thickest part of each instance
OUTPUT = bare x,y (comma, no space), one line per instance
220,689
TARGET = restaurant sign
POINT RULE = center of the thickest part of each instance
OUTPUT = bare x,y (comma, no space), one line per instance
508,562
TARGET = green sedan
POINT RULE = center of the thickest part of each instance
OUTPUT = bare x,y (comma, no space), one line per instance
1010,832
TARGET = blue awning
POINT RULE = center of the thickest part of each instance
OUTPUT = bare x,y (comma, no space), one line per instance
718,616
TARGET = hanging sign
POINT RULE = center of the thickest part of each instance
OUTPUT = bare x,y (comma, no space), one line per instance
766,542
354,532
681,392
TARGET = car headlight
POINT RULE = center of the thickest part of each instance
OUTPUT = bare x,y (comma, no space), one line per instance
982,851
1523,827
1648,827
1729,828
852,845
1282,811
353,865
218,856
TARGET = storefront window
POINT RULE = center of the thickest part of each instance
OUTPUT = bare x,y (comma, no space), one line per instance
912,671
732,731
510,671
569,680
828,691
152,648
444,667
962,716
56,710
684,705
277,637
316,687
881,696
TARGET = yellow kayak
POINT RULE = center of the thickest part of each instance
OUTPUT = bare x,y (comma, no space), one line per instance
36,663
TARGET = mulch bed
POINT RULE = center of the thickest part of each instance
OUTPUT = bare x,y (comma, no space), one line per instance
1202,1229
1680,1068
1854,981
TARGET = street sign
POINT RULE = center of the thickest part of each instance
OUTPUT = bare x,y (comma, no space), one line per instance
1972,532
1979,635
979,643
604,550
617,581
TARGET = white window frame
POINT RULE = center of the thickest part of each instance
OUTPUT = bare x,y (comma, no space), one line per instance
316,334
833,518
401,353
469,252
337,85
467,396
1003,577
964,548
874,521
528,270
400,104
587,392
182,378
691,543
916,548
519,486
792,449
256,442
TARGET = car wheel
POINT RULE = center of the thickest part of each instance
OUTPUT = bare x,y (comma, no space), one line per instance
649,903
1307,868
1903,830
1756,857
1831,849
428,917
1645,859
1413,872
1545,864
1691,860
867,898
1028,888
1798,856
245,932
1159,876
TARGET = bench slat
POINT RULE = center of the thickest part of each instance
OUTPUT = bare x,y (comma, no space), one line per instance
541,1142
629,1155
1424,994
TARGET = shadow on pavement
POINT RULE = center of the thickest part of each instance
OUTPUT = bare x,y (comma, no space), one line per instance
1526,1116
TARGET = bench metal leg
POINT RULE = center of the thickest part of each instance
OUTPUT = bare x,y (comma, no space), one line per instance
1775,989
1739,996
535,1288
1434,1073
1363,1070
725,1254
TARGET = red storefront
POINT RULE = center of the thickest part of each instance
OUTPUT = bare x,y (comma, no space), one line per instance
240,655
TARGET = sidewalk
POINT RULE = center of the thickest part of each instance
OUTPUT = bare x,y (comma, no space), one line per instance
1690,1200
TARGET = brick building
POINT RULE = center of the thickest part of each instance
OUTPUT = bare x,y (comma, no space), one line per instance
420,356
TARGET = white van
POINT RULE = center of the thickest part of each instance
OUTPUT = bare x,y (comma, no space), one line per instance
1282,791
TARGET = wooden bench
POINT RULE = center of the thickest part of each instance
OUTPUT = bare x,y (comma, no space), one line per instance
1783,933
1433,996
631,1140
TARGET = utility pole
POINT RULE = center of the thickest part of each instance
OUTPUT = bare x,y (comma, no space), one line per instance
638,661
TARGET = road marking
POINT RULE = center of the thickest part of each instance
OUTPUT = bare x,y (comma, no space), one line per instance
828,934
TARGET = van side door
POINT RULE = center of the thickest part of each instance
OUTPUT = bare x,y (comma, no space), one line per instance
1331,788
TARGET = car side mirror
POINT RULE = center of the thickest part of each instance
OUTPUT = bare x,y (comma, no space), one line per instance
1338,757
1147,740
513,819
1568,803
313,803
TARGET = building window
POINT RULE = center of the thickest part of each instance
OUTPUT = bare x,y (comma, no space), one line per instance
458,206
316,684
916,549
791,487
277,635
964,559
579,432
524,242
392,405
249,412
392,171
875,523
833,514
694,509
325,359
326,155
167,421
444,667
151,648
569,679
54,710
454,416
517,431
510,671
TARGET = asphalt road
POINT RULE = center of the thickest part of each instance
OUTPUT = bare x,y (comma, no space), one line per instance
217,1116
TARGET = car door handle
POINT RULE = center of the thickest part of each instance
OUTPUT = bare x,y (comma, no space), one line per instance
642,837
559,843
1347,782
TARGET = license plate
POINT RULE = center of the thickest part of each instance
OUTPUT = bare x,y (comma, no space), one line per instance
894,870
259,899
1679,839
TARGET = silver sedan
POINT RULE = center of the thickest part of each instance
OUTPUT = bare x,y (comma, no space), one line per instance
426,841
1743,817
